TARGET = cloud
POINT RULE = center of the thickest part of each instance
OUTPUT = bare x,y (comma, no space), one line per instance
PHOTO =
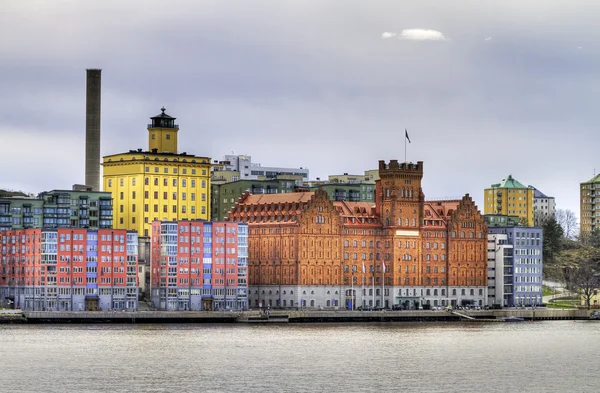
422,35
488,39
387,35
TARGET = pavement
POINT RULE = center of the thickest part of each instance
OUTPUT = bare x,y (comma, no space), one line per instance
558,288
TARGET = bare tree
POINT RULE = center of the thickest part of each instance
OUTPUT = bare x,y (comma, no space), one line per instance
540,217
585,279
568,221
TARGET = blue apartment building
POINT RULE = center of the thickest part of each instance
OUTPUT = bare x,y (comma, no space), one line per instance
522,274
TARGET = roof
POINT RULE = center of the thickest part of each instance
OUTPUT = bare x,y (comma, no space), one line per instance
538,194
163,115
595,179
290,197
509,182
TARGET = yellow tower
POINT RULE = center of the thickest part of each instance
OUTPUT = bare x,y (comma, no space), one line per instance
162,133
158,184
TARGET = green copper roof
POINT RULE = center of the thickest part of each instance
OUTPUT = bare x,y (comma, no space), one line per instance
509,182
595,179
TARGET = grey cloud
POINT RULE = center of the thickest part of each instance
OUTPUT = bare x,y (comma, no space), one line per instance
311,84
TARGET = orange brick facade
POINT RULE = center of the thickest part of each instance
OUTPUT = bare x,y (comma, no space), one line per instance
307,251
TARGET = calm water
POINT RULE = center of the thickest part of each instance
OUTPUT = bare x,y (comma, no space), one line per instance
416,357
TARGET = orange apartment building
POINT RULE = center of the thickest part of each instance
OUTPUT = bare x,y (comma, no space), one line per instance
308,251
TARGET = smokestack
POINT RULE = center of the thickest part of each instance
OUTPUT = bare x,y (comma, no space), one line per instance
92,129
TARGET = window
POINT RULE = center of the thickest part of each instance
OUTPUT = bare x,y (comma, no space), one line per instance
153,136
168,136
110,182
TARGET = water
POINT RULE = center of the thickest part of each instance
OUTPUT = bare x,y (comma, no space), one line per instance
556,356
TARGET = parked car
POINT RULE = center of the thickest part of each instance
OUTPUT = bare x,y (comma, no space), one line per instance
397,307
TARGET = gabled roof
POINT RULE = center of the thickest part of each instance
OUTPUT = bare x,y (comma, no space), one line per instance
357,212
509,182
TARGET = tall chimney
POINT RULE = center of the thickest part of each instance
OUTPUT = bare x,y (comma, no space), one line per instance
92,129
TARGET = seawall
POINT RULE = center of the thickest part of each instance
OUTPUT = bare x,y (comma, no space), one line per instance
278,316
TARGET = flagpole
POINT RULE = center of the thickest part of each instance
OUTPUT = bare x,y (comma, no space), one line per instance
362,296
352,293
405,145
383,286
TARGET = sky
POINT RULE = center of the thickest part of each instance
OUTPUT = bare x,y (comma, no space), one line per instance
484,88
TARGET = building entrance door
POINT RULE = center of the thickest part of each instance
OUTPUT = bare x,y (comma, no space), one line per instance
91,304
207,304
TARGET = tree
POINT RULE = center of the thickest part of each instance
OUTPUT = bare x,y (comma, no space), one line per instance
584,278
568,221
540,217
593,239
553,234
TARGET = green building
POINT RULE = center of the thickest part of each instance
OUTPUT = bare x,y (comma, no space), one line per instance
502,220
79,208
225,196
351,192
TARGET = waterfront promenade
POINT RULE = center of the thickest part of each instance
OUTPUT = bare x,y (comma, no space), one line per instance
282,316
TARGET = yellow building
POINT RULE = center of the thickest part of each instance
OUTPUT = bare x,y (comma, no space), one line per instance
158,184
510,198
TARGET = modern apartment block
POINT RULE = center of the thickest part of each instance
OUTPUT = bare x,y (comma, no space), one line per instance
69,269
509,197
500,269
589,216
254,171
522,274
158,184
351,192
369,177
58,209
544,207
198,265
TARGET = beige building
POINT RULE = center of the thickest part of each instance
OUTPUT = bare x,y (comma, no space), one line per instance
589,192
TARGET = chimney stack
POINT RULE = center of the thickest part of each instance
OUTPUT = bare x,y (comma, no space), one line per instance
92,129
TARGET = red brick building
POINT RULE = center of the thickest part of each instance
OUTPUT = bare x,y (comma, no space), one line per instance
307,251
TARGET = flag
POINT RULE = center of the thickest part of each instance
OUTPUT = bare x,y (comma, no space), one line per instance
383,267
363,268
406,135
